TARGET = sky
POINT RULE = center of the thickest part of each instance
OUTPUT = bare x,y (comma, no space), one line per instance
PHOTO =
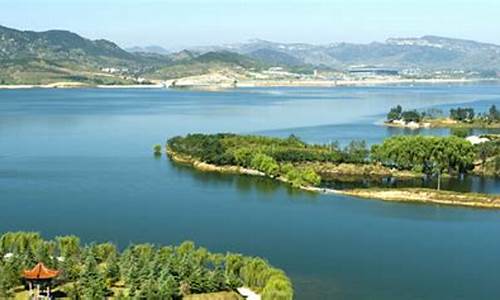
176,24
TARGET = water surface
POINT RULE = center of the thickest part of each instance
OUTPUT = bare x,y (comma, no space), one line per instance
80,162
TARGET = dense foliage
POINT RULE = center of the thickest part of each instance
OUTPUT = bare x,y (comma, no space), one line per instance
139,272
272,156
290,157
460,114
426,154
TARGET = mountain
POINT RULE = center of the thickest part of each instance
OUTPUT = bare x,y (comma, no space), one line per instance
189,63
28,57
274,57
148,49
427,53
55,44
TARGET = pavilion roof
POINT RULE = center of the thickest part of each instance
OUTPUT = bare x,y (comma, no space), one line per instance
40,271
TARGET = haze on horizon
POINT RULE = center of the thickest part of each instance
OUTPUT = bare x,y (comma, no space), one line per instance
176,24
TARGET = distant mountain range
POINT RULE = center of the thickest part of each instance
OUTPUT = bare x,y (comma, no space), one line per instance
149,49
41,57
428,52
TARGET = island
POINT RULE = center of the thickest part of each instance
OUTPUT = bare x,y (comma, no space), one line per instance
31,266
458,118
305,166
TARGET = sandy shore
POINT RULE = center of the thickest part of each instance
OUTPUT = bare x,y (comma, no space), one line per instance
422,195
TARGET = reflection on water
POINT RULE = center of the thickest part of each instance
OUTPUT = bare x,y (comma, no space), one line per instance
474,184
242,183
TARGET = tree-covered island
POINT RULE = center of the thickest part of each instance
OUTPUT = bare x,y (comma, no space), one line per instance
460,117
305,166
65,268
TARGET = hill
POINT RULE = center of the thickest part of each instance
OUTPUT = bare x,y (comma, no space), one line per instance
188,63
28,57
427,53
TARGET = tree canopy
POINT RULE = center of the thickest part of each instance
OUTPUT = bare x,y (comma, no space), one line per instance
147,271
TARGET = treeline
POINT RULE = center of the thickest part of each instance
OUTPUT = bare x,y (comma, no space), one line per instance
141,271
426,154
272,156
289,157
461,114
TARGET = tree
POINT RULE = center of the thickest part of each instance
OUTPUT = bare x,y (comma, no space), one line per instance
8,280
493,114
92,283
394,113
411,116
460,132
68,246
462,114
112,274
266,164
168,287
356,152
485,150
157,149
277,288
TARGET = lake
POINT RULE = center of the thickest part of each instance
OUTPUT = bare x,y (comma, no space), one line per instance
80,162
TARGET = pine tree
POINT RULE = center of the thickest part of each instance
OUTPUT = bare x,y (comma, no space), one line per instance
168,287
92,284
5,285
112,269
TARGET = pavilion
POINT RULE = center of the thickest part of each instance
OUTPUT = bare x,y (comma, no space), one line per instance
39,281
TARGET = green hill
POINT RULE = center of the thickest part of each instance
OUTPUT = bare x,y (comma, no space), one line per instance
28,57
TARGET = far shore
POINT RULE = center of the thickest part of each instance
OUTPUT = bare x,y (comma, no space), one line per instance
192,83
416,195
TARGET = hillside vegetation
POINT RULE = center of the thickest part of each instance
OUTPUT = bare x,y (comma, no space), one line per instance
143,271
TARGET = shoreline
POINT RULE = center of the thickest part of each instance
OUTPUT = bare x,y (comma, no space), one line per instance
251,83
442,123
404,195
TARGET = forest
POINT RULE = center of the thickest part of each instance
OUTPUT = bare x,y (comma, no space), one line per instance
142,271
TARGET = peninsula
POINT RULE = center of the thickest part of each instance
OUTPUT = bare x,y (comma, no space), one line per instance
304,166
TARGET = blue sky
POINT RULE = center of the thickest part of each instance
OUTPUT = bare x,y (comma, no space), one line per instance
181,23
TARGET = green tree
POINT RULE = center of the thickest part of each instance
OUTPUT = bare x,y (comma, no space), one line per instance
168,287
68,246
157,149
112,274
92,283
486,150
266,164
493,114
460,132
462,114
356,152
277,288
8,280
411,116
394,113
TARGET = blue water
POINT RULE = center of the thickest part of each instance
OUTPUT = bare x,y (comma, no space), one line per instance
80,162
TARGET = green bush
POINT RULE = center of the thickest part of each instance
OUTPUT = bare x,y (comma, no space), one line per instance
157,149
